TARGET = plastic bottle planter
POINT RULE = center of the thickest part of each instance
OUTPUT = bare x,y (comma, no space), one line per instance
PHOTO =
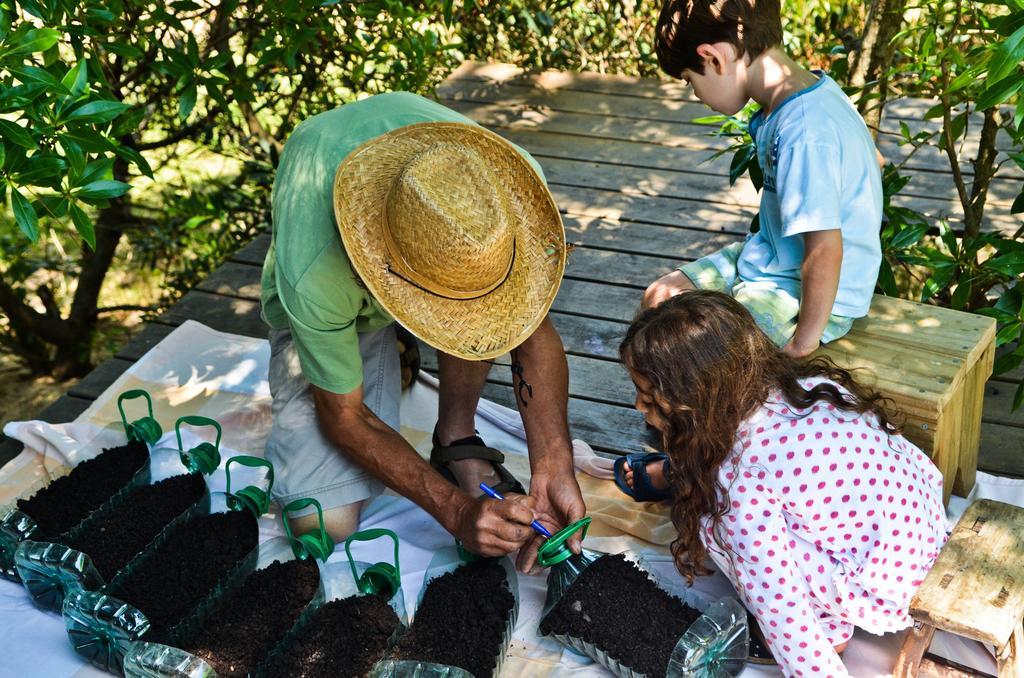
145,429
63,500
198,562
355,627
265,602
204,457
713,646
127,524
446,561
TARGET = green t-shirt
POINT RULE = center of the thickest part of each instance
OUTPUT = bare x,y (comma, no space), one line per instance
308,283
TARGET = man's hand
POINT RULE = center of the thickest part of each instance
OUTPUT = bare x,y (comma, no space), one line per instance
664,288
557,503
489,527
795,348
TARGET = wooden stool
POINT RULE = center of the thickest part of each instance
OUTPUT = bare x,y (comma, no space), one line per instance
975,589
933,362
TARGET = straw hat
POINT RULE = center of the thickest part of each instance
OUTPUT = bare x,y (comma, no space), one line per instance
454,233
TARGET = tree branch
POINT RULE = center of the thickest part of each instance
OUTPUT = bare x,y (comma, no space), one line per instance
947,124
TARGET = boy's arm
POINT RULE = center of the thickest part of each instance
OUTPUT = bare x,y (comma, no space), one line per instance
819,273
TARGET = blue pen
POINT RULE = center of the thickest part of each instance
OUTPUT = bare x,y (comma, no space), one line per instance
540,529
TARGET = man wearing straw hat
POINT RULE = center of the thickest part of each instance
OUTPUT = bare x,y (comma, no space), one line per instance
397,208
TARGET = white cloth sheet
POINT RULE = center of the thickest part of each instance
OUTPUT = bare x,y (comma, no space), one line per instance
224,376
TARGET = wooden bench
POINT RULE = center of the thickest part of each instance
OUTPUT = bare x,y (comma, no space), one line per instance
933,363
975,589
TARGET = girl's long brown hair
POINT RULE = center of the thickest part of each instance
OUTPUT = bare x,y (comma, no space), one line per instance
710,367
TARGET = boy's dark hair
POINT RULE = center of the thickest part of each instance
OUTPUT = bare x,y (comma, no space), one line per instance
751,26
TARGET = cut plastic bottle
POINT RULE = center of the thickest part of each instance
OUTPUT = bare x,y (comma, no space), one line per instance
50,570
102,628
714,646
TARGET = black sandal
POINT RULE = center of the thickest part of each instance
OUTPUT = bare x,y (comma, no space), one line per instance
473,447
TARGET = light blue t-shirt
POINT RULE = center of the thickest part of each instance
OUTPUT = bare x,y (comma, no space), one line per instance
820,173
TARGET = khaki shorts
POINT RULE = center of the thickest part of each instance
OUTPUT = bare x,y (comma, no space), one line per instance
306,464
774,309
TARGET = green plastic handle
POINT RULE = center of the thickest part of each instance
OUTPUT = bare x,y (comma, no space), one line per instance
204,457
256,499
316,543
554,549
379,578
147,429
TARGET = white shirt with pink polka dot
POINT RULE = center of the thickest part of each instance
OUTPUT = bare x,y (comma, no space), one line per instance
832,523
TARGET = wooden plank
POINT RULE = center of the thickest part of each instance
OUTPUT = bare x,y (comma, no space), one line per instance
618,117
716,189
999,403
975,589
659,88
585,133
226,314
604,83
255,251
597,104
607,428
151,335
96,382
678,212
544,144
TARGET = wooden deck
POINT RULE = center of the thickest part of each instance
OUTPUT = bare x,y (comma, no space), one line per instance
626,165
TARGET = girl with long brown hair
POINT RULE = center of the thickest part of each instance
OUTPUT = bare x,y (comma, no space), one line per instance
790,476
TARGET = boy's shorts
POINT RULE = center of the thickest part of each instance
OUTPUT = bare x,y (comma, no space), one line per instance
774,309
306,463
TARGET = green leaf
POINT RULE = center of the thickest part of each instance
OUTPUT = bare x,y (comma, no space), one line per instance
1007,57
886,279
934,112
1011,264
136,158
42,170
83,224
961,295
30,42
33,74
97,111
74,153
76,79
1018,204
1008,361
103,189
25,215
187,101
101,168
999,92
17,134
1018,397
908,236
1008,332
127,51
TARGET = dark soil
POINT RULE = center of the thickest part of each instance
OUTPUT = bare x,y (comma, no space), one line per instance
250,623
344,638
119,536
461,619
618,608
183,570
69,499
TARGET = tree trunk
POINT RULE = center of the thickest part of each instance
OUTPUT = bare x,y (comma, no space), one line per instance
869,64
984,169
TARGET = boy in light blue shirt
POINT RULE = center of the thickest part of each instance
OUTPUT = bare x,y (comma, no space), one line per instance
812,266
